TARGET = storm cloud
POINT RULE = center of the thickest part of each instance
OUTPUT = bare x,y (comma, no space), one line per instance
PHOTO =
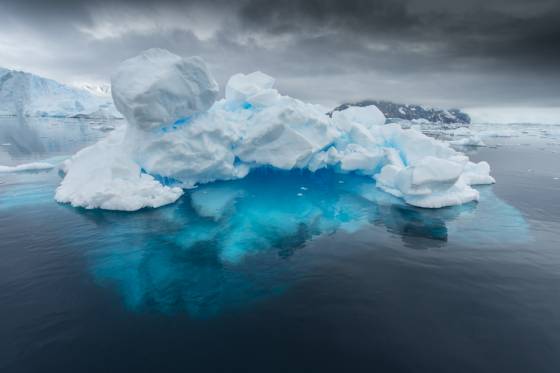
443,53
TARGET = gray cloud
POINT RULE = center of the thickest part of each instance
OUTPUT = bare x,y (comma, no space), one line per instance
476,53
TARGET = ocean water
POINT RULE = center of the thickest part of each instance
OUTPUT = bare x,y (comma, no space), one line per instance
282,271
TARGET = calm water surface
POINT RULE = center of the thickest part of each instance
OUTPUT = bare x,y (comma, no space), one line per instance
282,271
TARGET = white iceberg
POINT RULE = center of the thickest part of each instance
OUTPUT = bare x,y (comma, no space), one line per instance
25,94
158,87
178,136
27,167
473,140
105,176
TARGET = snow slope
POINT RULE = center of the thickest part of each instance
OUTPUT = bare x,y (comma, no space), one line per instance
26,94
178,136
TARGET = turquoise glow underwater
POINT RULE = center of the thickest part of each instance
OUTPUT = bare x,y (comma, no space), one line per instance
228,244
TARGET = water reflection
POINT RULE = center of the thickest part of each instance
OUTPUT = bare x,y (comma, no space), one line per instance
35,138
228,244
223,245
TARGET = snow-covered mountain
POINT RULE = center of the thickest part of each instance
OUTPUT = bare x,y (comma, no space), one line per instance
393,110
100,90
26,94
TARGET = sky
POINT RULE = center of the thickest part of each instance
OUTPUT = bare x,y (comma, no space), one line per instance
447,53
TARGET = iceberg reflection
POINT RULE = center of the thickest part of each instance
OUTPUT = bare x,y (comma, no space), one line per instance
30,138
222,244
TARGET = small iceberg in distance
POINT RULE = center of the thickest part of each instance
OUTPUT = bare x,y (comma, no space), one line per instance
253,127
27,167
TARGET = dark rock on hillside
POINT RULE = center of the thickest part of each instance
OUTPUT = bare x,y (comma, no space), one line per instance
393,110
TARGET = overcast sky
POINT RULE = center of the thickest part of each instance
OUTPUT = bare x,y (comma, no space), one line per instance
437,52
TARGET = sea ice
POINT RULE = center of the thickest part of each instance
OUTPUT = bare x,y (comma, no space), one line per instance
27,167
178,137
472,140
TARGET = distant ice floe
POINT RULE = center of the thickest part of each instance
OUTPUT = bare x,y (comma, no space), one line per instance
462,136
509,115
178,136
27,167
490,134
468,141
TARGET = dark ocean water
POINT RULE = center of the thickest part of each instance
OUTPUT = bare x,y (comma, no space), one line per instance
281,271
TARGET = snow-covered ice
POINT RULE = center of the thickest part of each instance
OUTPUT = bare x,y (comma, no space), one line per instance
465,137
25,94
468,141
178,136
158,87
105,176
27,167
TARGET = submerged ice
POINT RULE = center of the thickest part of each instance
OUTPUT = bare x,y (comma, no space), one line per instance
178,136
222,246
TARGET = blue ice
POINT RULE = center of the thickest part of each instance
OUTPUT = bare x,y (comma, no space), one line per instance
223,245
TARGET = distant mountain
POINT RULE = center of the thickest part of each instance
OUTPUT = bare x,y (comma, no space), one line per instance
393,110
100,90
26,94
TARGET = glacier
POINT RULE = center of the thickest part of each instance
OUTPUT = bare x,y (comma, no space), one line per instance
179,135
25,94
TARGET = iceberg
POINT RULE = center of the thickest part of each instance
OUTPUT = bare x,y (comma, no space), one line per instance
179,135
27,167
474,140
105,176
159,87
29,95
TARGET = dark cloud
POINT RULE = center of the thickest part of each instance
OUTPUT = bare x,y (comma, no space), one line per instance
360,16
442,52
513,31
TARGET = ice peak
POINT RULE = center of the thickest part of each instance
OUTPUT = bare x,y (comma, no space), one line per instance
157,87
